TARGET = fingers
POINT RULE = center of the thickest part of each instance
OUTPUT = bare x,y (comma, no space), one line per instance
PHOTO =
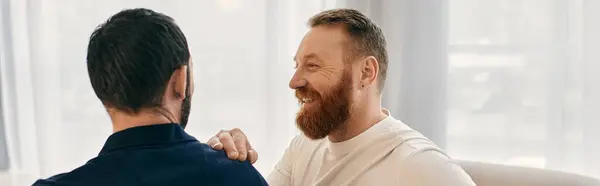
228,145
240,141
235,144
252,156
215,143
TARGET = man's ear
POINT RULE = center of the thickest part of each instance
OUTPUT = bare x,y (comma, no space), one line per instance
369,71
179,82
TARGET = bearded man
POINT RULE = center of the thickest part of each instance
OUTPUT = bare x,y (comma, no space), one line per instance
348,138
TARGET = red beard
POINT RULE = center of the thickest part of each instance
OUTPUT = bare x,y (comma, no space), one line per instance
330,112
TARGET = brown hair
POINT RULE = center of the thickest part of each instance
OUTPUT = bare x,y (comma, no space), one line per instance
367,38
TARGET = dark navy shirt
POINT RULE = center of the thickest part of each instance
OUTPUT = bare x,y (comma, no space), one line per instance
157,155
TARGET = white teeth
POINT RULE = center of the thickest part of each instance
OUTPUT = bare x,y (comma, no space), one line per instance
306,100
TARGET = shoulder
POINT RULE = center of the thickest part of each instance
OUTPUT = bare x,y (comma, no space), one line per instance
424,163
433,168
410,141
231,172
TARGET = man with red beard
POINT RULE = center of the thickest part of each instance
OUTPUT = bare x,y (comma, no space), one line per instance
348,138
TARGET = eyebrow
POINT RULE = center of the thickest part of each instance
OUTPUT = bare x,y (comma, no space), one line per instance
309,56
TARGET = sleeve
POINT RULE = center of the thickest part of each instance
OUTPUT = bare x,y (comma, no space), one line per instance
282,174
432,168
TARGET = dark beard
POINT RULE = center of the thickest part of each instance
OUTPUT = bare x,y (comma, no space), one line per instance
331,113
186,106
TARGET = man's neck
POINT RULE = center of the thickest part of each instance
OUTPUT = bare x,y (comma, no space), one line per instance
122,121
361,119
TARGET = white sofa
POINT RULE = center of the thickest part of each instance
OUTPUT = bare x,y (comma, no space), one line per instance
486,174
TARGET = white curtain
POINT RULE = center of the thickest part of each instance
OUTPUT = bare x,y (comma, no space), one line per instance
511,82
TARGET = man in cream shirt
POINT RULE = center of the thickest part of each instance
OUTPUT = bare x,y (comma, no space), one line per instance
388,153
348,139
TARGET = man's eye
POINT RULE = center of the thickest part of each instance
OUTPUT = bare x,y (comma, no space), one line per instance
312,65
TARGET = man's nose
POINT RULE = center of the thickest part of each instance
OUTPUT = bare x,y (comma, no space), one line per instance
297,81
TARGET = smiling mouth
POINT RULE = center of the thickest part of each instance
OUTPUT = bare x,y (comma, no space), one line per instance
307,100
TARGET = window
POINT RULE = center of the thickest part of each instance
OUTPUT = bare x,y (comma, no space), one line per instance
512,95
509,82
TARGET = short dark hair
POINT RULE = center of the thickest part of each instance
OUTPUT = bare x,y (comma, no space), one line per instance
366,37
132,56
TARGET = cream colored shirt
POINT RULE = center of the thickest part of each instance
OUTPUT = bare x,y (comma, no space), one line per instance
388,153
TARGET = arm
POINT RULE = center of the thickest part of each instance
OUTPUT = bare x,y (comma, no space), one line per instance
432,168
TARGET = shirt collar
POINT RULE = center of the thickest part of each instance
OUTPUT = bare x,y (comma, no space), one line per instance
340,149
146,136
